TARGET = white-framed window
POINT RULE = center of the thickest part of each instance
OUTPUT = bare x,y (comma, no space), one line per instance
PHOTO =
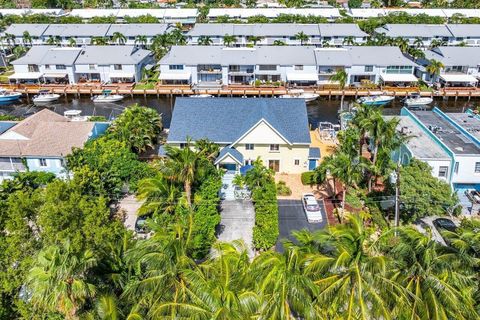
296,162
298,67
91,67
477,167
60,67
47,67
368,68
457,165
42,162
442,171
274,147
248,162
175,67
249,146
183,145
117,67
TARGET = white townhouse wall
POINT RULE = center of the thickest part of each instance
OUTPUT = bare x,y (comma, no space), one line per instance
227,65
268,33
111,63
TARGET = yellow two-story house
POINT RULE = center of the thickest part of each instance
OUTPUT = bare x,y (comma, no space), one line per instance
276,130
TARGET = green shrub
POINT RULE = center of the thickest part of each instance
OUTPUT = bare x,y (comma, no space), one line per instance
307,178
283,189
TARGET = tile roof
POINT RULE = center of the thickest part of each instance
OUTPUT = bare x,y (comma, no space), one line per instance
224,120
454,56
464,30
45,133
414,30
34,29
77,30
33,56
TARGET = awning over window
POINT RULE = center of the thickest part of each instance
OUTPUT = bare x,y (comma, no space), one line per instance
302,77
174,76
25,75
458,78
55,75
122,75
398,77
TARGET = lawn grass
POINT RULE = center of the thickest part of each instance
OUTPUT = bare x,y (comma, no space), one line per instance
142,86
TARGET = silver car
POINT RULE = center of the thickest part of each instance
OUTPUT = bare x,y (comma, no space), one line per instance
311,208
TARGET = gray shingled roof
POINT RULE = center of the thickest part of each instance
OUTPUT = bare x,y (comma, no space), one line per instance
34,29
280,55
33,56
138,29
224,120
234,153
314,153
77,30
112,55
454,56
464,30
414,30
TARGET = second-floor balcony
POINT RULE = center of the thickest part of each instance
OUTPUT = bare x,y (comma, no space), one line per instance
329,70
209,68
455,70
241,70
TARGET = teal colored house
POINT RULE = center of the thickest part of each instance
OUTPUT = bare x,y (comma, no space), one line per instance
42,141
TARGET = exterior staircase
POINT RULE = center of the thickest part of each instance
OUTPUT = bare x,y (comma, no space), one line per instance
227,191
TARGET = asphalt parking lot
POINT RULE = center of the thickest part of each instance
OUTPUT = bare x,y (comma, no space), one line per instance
292,217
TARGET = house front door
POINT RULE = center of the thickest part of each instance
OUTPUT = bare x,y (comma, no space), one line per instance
312,164
274,165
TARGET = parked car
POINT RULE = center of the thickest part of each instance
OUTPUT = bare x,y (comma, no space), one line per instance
444,224
311,208
141,225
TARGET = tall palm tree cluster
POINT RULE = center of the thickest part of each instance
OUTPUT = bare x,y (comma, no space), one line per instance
349,271
364,152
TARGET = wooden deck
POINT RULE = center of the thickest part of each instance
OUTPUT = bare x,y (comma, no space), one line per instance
182,90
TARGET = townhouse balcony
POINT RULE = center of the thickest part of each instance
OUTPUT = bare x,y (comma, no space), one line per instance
329,70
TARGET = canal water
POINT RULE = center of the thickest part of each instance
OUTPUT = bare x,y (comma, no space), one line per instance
322,109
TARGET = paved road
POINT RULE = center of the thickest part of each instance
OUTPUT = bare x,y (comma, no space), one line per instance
292,217
238,219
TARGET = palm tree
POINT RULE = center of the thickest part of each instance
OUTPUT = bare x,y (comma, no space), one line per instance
26,38
346,264
402,44
208,148
177,36
279,43
302,37
438,279
141,40
19,51
54,40
341,77
349,41
119,38
285,287
205,41
160,196
107,307
416,53
10,38
434,68
182,165
58,280
228,40
254,39
437,43
99,41
220,288
418,42
72,42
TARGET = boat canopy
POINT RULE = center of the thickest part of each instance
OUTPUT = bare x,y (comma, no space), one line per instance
25,75
398,77
302,77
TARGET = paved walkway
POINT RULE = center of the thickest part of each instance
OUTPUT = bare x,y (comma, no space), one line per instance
130,206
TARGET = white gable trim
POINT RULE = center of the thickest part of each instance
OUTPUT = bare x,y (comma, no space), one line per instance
224,156
256,125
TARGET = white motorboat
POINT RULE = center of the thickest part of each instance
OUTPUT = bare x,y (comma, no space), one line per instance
417,100
75,115
107,96
201,96
300,94
375,100
44,96
8,96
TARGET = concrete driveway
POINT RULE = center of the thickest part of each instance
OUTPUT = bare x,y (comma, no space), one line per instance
238,219
291,217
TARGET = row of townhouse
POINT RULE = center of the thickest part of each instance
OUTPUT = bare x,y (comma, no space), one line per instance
105,64
268,33
448,142
295,65
448,34
82,34
364,13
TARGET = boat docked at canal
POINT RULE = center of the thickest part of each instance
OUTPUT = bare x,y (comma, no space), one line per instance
375,100
9,96
201,96
44,96
300,94
75,115
106,97
416,99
